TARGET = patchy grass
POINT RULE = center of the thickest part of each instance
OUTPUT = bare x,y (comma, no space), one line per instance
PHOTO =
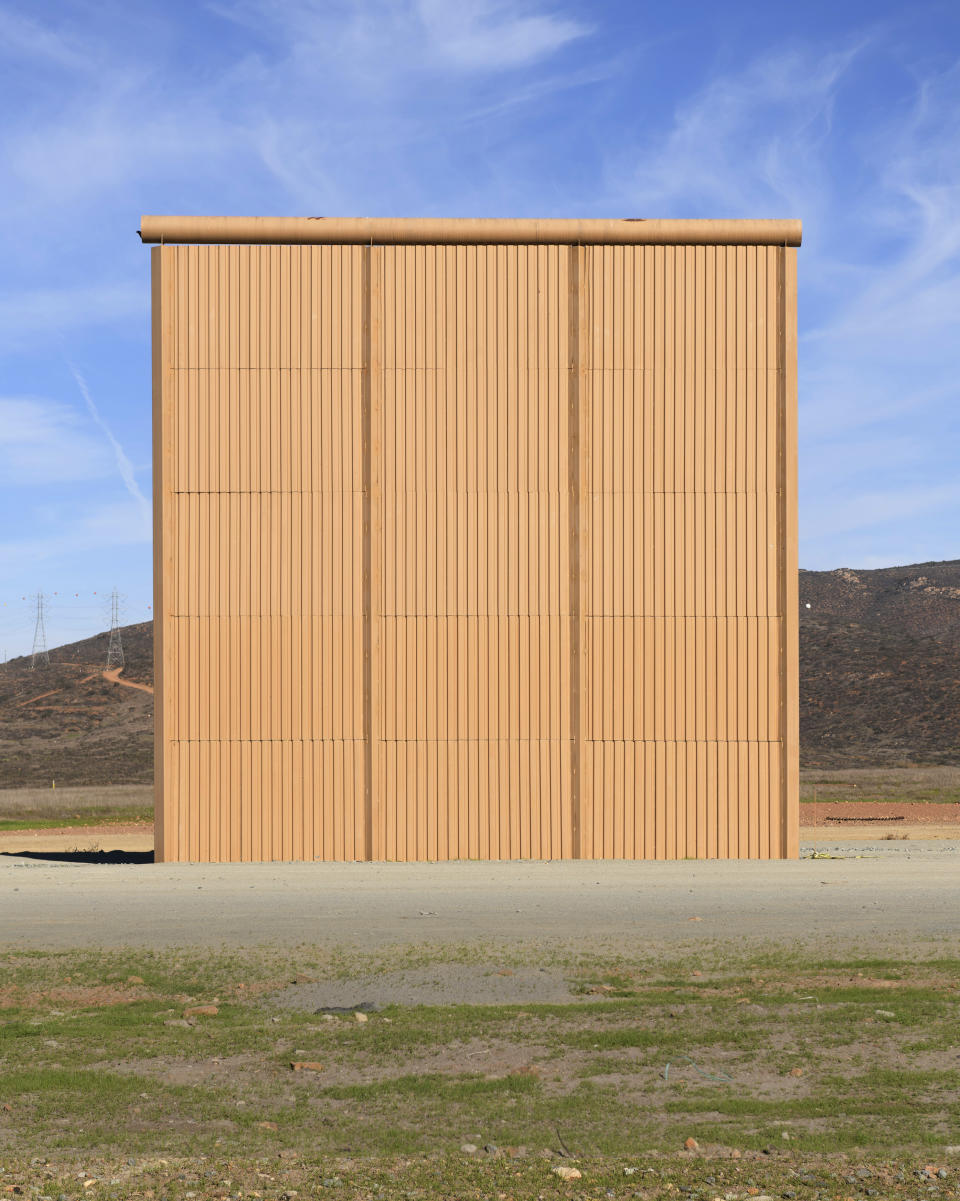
934,785
781,1059
472,1177
92,817
76,805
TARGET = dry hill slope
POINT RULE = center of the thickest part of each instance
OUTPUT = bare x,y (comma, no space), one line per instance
67,723
879,685
880,666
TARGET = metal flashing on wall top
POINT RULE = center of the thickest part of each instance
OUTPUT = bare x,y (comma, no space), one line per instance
384,231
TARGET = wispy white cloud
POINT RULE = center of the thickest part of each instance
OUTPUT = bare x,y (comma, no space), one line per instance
425,106
402,37
43,442
745,144
313,112
485,35
887,346
880,329
403,88
124,466
23,38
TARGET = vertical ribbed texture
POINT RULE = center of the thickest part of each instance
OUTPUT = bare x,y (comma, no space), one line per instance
684,620
263,611
475,579
475,551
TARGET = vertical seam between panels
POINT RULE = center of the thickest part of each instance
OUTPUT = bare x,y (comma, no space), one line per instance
781,536
576,765
161,484
367,621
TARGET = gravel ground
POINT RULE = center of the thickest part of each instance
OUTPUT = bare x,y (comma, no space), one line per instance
438,984
902,893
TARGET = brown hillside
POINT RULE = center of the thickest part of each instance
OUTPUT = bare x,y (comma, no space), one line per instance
923,599
67,723
879,685
880,666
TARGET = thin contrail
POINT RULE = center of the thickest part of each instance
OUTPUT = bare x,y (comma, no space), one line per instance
124,466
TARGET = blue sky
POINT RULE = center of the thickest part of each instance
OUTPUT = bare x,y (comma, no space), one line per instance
844,114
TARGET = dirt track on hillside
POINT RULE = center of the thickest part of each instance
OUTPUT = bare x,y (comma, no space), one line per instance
113,676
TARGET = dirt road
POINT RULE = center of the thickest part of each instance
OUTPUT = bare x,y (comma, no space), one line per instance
112,675
899,892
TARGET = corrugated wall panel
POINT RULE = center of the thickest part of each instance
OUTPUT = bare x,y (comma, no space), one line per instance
475,551
263,612
475,597
683,618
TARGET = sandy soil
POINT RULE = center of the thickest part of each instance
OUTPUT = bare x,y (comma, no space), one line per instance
886,813
111,836
897,831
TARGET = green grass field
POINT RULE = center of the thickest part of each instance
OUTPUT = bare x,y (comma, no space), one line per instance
90,817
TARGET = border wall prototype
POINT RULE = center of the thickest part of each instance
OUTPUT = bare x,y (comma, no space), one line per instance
475,539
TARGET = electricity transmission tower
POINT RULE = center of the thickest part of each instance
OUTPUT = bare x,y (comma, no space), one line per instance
40,652
115,649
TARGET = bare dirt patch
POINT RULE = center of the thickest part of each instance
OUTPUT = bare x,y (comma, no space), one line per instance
559,1071
12,996
440,984
881,813
176,1070
493,1059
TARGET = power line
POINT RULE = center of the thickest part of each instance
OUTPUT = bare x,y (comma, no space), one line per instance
40,653
115,649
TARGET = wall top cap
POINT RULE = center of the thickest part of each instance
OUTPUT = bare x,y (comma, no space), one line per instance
467,231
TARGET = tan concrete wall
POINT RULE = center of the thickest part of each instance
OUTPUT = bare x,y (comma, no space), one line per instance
475,551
